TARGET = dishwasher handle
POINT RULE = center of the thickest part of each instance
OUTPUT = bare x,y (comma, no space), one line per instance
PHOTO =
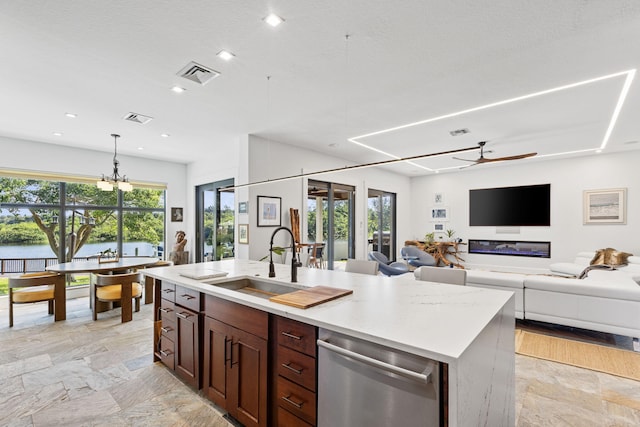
424,376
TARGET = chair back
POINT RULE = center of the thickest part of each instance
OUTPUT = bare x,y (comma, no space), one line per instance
454,276
361,266
416,256
116,279
379,257
35,279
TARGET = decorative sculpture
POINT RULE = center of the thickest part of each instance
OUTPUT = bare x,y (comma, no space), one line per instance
178,255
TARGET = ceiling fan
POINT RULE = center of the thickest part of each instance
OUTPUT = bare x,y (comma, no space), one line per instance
483,159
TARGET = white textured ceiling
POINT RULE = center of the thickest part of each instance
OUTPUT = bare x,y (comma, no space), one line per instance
404,61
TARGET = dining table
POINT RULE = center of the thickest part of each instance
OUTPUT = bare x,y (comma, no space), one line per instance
93,265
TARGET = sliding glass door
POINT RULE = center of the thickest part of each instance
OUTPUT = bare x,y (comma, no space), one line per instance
381,222
330,219
215,218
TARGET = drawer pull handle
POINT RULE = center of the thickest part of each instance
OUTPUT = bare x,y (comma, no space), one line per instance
183,315
187,296
296,404
291,368
167,329
166,310
168,291
166,353
287,334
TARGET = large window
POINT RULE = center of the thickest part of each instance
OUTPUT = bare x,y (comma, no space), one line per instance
46,222
381,222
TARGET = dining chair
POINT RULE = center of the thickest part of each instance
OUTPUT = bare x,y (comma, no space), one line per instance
361,266
316,256
36,287
454,276
118,288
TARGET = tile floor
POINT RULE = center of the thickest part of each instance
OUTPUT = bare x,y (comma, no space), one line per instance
85,373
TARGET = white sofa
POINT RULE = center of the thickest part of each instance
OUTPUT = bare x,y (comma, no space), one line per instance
605,301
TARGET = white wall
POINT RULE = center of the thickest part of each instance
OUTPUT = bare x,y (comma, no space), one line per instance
270,159
568,179
41,157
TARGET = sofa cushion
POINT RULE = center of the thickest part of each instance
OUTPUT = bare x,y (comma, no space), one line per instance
496,278
567,268
605,284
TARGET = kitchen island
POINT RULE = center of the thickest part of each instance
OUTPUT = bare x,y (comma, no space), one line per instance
470,331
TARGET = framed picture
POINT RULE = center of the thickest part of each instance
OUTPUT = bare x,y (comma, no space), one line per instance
605,206
176,215
243,233
439,214
438,198
438,227
243,207
269,211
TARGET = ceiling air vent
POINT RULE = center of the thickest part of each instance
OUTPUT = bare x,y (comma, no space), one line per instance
198,73
458,132
137,118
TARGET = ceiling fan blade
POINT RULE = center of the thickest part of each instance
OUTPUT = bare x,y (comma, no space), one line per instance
465,160
500,159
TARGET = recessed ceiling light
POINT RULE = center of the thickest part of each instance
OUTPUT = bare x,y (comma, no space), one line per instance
71,115
273,20
140,148
57,134
178,89
226,55
165,135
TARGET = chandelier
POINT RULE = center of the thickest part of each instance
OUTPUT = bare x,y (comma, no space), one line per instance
108,182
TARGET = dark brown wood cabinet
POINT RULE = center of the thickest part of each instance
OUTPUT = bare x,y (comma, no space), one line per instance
235,371
295,397
178,321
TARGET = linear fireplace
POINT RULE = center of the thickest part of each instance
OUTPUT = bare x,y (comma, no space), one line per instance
510,247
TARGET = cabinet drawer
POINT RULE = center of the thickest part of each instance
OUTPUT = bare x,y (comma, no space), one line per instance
167,352
168,329
297,400
168,291
287,419
296,335
248,319
188,298
297,367
167,311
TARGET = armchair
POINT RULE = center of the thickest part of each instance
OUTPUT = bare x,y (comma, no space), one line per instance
416,257
388,268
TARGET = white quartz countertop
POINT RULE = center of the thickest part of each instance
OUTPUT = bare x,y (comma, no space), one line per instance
433,320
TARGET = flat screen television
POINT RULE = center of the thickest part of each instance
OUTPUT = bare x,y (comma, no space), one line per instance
511,206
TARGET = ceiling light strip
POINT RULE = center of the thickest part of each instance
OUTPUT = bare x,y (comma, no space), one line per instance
616,112
347,168
497,104
389,155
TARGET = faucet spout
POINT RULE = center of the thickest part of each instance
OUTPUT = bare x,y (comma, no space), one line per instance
295,261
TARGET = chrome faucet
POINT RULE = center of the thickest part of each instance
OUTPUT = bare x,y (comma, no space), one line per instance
295,260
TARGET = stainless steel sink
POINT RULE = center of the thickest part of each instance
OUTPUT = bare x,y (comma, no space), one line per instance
258,288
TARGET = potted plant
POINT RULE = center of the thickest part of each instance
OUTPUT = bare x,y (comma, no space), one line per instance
450,234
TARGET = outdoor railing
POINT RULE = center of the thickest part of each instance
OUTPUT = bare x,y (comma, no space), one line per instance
30,265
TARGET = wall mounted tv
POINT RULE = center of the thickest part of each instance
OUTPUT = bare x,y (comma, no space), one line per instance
510,206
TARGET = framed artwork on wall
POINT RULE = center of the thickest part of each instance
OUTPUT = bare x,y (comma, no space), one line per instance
439,214
269,209
438,198
243,234
438,227
176,215
605,206
243,207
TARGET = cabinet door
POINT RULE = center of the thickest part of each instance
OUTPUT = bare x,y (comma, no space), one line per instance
248,367
188,346
217,350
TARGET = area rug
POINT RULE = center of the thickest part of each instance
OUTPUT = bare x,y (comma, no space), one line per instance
614,361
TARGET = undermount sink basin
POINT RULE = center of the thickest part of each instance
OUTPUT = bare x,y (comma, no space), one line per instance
259,288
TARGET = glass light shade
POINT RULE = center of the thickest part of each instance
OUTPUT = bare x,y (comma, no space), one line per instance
104,185
125,186
273,20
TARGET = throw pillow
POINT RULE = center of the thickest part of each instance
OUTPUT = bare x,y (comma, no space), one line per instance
610,256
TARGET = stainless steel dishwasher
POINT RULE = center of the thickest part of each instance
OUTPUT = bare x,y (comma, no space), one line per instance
365,384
